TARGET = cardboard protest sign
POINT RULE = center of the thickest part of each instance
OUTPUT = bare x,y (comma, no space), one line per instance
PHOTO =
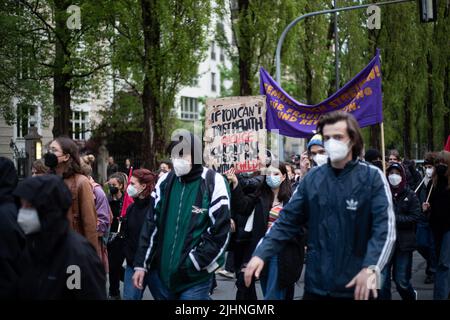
235,133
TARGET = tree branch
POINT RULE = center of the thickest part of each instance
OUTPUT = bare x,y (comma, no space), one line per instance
87,74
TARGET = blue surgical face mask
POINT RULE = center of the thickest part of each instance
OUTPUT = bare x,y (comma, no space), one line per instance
273,181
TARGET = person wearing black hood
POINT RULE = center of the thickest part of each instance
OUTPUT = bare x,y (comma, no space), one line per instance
407,214
12,238
373,156
63,265
438,208
192,219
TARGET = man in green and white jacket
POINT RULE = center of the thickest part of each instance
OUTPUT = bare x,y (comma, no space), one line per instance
184,243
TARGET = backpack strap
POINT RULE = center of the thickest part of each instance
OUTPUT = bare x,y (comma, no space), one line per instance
210,182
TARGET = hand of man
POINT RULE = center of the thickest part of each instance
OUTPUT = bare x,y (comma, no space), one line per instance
254,267
233,226
138,279
364,282
425,206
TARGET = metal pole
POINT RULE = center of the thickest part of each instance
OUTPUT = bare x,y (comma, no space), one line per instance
297,20
311,14
336,46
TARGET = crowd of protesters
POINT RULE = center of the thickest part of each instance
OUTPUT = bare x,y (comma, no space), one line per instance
353,220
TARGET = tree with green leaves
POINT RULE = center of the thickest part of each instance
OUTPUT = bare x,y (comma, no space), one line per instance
66,61
158,46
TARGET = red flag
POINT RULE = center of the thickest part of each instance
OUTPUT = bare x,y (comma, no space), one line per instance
447,146
127,200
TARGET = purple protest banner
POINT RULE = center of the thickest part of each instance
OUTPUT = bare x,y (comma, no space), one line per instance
361,97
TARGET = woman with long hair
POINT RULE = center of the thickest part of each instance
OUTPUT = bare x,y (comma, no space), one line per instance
81,214
255,213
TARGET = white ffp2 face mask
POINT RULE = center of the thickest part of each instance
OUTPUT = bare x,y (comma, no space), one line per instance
429,172
181,167
28,220
337,150
395,179
320,159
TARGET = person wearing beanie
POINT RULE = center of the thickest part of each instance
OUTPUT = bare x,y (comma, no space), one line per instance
407,213
179,255
316,150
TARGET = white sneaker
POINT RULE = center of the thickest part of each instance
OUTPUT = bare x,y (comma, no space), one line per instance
226,274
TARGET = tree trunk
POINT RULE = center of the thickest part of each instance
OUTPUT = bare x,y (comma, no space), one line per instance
406,127
245,76
308,65
61,74
447,98
375,137
430,143
151,145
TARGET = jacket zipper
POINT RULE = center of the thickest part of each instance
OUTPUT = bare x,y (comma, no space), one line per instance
176,228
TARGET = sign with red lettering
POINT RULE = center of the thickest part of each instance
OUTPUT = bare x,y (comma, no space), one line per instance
235,133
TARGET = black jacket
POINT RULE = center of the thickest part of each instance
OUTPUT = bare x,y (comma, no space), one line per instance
407,213
290,262
12,238
440,207
57,255
116,207
132,226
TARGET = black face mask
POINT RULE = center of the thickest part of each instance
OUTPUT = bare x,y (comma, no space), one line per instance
50,160
378,163
113,190
441,169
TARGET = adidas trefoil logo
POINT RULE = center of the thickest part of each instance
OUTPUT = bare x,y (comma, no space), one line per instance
352,204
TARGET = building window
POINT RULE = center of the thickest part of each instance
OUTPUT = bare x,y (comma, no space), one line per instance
24,115
213,50
79,125
213,82
189,108
222,55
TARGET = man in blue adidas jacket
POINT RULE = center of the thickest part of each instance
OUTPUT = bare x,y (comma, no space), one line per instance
347,207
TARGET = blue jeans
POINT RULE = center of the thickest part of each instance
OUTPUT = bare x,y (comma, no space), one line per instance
161,292
130,292
425,246
442,277
400,265
269,282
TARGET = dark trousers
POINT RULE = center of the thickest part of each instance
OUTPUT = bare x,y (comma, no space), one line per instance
400,266
426,248
242,254
229,263
116,271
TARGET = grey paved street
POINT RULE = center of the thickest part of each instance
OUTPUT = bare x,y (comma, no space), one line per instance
226,289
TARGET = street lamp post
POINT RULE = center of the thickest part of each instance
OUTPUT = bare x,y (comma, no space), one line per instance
33,146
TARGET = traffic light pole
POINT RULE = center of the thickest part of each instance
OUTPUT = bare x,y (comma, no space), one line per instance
300,18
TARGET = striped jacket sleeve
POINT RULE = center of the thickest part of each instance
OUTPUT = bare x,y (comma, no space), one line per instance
381,243
215,238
